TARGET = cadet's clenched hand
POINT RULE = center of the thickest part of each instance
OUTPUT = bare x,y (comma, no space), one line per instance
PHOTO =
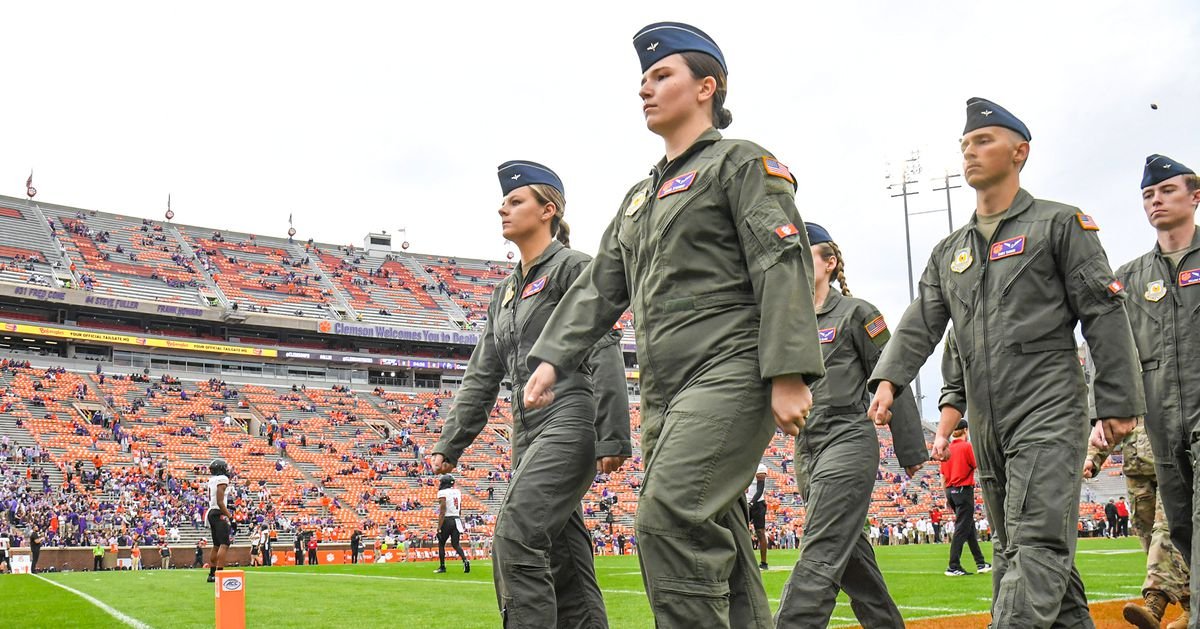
1096,439
1117,428
609,464
441,465
1089,468
791,401
538,393
881,405
941,448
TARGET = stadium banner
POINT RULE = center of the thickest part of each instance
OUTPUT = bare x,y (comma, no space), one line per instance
88,299
392,333
141,341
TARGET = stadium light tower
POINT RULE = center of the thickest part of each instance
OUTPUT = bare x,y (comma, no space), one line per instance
912,168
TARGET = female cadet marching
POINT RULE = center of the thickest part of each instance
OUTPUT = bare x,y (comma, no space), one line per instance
711,255
839,450
543,559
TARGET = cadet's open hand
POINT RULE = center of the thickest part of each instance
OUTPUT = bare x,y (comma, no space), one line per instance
609,464
881,405
1117,428
538,393
1089,468
941,448
441,465
791,401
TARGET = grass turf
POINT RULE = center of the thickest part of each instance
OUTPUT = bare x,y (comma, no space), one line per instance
410,595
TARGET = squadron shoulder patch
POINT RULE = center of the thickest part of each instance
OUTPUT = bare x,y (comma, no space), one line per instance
1087,222
1187,278
1155,291
1007,248
962,260
636,203
1115,287
876,327
776,168
826,335
536,287
678,184
783,231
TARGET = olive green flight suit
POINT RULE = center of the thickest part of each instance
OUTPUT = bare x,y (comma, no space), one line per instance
840,449
1164,308
1166,569
712,256
1015,302
544,572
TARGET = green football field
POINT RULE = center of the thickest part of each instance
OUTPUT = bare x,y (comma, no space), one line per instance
410,595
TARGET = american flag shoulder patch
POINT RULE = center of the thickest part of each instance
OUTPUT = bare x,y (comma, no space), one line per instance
1087,222
776,168
535,288
876,327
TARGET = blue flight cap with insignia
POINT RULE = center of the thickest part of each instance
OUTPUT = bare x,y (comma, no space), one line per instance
519,172
817,234
982,112
1160,168
663,39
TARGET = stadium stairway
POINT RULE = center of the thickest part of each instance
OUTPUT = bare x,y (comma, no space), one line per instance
190,254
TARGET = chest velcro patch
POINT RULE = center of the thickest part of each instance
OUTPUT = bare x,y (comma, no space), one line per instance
1007,248
1187,278
678,184
826,335
535,287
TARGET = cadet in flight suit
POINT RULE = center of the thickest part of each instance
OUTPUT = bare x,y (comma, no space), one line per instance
1016,280
1166,571
840,448
712,256
544,573
1164,308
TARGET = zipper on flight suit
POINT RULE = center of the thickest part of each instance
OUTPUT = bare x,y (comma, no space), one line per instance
976,237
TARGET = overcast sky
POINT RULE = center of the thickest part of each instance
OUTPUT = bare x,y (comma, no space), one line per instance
357,117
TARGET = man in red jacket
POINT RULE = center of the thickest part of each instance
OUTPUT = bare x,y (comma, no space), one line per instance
935,518
1122,518
958,474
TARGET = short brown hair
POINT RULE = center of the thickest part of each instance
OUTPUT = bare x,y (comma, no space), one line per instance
1192,181
701,65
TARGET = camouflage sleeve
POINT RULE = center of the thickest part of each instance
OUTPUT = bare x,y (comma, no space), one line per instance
475,399
1096,297
954,391
920,330
612,397
779,264
587,311
870,336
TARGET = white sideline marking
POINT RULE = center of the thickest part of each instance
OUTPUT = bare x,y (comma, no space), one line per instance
1123,551
104,607
419,579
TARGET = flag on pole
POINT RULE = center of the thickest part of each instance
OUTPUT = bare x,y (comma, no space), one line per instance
30,191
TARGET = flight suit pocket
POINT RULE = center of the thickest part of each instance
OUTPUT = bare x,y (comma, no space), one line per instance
1149,365
767,234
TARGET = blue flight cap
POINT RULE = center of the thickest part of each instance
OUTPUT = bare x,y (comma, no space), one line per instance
817,234
663,39
982,112
519,172
1160,168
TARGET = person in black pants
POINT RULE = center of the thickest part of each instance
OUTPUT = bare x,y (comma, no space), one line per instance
355,546
299,546
958,474
1110,513
35,549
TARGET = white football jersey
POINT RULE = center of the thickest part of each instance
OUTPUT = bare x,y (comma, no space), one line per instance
453,502
213,483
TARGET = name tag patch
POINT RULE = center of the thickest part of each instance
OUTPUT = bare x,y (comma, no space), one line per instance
1187,278
826,335
1008,248
535,288
678,184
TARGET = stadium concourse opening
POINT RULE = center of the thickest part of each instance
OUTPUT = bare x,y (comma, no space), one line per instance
134,352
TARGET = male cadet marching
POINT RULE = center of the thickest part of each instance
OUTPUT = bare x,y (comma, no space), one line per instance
1015,280
1166,571
1163,305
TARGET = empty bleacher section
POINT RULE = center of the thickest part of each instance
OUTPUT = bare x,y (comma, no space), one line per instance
26,250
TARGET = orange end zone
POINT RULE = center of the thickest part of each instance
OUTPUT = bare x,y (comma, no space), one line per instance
1107,615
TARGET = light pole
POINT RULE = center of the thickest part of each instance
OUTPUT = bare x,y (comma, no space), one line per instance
912,168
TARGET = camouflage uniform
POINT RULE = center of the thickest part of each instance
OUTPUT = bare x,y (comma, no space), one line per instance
1166,570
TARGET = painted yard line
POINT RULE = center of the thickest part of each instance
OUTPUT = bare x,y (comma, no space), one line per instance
956,610
418,579
104,607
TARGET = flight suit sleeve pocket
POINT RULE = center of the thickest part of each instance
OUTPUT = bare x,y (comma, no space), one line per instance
769,233
1097,282
1149,365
